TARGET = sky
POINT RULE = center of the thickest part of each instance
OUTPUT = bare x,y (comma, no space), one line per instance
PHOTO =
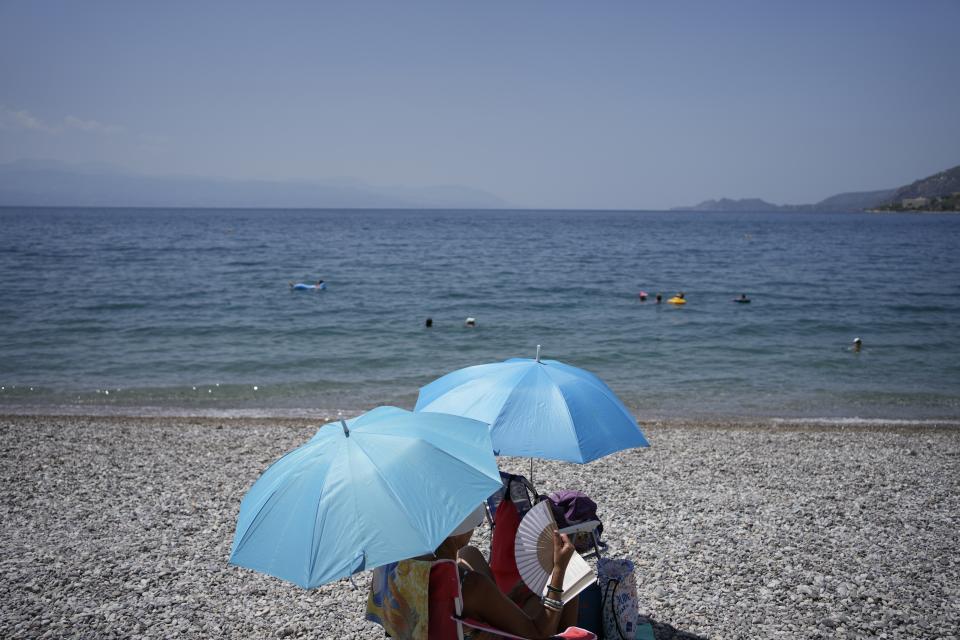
606,105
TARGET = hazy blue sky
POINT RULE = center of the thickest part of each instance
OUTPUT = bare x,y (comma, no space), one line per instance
546,104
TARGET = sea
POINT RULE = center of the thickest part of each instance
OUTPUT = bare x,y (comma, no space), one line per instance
189,311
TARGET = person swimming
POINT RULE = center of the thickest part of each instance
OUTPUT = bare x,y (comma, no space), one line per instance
659,298
319,286
857,344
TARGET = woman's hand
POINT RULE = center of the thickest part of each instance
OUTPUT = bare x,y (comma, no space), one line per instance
562,550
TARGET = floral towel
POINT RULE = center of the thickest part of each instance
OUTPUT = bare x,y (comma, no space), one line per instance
399,599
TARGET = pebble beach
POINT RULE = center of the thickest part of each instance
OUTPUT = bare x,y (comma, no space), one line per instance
122,526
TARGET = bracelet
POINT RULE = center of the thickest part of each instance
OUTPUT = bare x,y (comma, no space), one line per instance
554,589
553,605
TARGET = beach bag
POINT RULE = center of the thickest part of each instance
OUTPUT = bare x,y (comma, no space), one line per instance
574,507
618,584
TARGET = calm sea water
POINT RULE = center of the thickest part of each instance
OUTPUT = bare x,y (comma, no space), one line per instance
189,311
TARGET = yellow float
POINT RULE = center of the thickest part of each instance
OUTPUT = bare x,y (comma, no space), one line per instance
677,300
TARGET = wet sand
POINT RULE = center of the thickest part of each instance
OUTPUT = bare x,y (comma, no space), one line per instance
120,527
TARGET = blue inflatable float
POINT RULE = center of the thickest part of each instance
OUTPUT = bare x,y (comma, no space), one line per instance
303,286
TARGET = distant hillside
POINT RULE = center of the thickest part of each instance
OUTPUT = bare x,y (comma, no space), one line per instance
938,185
852,201
726,204
939,192
50,183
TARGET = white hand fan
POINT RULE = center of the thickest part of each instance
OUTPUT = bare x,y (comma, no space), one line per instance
533,547
534,553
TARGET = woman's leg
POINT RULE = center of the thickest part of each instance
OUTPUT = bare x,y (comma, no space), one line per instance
472,558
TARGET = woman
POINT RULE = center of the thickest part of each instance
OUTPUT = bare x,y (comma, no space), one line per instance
523,613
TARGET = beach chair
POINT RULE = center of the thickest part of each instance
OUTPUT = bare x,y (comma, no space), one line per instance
518,489
523,494
508,506
421,600
505,509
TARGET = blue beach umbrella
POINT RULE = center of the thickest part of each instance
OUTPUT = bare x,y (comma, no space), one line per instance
385,486
537,408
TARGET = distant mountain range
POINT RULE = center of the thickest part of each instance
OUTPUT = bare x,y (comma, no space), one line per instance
52,183
939,192
938,185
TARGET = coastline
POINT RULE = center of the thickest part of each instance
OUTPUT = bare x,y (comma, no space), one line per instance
316,417
118,526
920,211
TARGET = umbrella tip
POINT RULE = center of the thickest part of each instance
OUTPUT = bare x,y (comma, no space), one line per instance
538,353
343,424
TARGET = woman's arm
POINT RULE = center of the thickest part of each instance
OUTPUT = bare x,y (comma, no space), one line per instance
483,600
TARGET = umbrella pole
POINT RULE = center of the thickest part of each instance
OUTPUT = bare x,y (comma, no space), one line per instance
531,459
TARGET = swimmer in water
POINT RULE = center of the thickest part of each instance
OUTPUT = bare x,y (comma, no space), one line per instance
659,298
857,343
316,287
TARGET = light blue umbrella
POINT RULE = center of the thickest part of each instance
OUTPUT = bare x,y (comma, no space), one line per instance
385,486
537,408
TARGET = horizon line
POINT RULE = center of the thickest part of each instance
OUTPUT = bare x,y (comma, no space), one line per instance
466,209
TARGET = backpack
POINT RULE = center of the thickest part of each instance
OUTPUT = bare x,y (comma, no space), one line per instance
574,507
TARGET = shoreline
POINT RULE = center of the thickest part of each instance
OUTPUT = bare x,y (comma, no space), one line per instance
718,422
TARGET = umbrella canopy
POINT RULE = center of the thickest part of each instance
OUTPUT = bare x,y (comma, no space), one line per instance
385,486
541,409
